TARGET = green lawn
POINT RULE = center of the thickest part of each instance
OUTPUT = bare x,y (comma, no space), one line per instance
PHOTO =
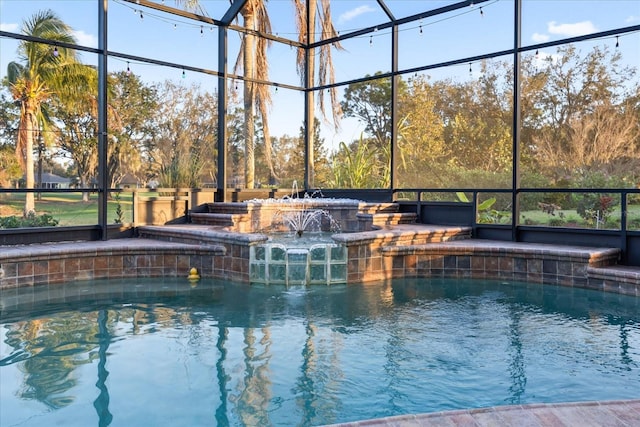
69,209
570,218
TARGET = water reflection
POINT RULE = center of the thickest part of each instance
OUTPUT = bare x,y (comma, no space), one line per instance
228,354
102,401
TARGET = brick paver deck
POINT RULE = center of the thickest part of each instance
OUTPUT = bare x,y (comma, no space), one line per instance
624,413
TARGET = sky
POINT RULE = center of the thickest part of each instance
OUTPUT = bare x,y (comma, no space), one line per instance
470,31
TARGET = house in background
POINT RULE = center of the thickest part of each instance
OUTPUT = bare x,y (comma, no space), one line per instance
53,181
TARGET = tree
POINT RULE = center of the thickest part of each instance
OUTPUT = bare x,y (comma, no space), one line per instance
370,102
76,116
253,62
320,22
421,146
9,117
290,164
184,135
583,114
136,105
40,72
477,120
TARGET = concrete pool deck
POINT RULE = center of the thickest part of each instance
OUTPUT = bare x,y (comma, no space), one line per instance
625,413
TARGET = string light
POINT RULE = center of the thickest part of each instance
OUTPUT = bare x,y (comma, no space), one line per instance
128,69
370,40
55,51
537,53
184,74
470,70
201,31
481,12
617,41
421,30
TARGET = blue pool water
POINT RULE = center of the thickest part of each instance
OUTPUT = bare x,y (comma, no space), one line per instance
166,353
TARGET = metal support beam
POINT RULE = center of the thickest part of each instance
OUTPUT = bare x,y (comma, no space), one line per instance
517,105
103,177
395,82
308,107
232,12
221,172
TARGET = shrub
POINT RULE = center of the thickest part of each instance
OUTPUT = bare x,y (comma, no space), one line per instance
32,220
595,209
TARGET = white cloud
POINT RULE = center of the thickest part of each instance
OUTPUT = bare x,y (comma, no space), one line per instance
85,39
9,27
571,30
540,38
353,13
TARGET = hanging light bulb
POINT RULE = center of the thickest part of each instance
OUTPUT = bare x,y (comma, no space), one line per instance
420,29
470,70
184,74
175,26
201,31
141,16
370,40
481,12
617,41
128,69
55,51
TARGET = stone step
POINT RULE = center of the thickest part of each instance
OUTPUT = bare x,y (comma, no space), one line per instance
369,221
403,235
374,208
201,235
228,208
237,222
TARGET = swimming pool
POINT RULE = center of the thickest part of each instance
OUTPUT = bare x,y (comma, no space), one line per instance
166,352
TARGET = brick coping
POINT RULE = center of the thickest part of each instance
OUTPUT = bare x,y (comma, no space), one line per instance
599,263
591,255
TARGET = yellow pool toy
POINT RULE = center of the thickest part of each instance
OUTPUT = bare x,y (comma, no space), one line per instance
193,274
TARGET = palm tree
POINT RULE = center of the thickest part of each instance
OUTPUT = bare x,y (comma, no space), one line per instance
33,80
319,22
252,59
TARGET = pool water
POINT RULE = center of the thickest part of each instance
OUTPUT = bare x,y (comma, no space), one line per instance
169,353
